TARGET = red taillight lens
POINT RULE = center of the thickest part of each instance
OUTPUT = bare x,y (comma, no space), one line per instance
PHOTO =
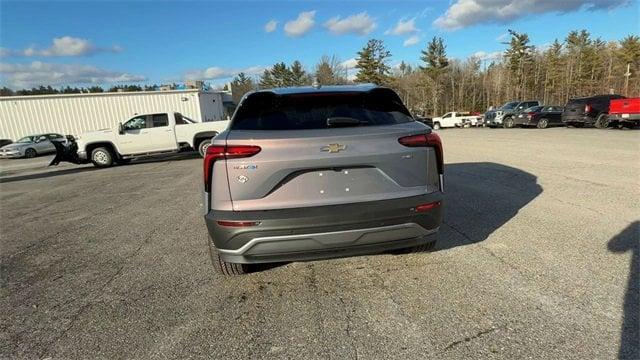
217,152
587,108
426,140
427,207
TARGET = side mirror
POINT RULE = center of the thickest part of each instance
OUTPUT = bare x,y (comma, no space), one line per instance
120,129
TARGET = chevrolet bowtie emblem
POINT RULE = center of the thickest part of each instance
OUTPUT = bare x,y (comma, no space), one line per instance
333,148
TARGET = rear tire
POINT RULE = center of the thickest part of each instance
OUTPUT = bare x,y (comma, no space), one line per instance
202,147
507,123
101,157
436,126
543,123
602,122
227,268
30,153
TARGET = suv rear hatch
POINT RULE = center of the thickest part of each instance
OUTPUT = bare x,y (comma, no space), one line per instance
575,108
326,148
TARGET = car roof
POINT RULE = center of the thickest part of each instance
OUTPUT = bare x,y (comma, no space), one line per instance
321,89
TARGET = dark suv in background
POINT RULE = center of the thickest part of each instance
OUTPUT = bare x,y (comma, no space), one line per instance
591,110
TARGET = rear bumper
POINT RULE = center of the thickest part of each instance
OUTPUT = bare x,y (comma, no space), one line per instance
325,231
625,117
578,119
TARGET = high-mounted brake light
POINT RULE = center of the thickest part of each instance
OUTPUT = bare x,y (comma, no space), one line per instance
426,140
218,152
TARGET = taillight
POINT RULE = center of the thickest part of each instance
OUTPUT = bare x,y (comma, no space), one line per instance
428,206
218,152
587,108
426,140
530,115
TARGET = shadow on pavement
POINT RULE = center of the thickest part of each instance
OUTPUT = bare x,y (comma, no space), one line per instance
480,198
47,172
628,240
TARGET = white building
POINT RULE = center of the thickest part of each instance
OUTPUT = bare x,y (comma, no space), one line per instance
77,113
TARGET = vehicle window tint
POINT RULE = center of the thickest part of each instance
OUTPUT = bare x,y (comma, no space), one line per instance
54,136
138,122
268,111
447,115
179,119
159,120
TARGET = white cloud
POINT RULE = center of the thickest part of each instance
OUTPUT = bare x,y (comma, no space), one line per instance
483,55
301,25
270,26
404,27
412,40
39,73
62,46
464,13
360,24
215,73
349,64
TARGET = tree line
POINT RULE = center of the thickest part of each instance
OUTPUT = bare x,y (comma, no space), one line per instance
578,65
49,90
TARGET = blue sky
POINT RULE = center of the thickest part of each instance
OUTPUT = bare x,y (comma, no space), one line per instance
104,42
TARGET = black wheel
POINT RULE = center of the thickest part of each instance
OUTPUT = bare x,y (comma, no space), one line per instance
602,122
507,123
30,153
227,268
203,145
543,123
101,157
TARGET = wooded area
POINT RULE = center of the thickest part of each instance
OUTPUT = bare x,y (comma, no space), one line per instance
577,66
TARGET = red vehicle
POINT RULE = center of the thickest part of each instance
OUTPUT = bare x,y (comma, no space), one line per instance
624,112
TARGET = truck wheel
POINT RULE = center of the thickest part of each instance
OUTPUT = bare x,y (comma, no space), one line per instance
543,123
436,126
507,123
226,268
101,157
30,153
602,122
203,145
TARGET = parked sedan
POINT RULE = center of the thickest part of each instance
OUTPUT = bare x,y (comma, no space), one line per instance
540,116
31,146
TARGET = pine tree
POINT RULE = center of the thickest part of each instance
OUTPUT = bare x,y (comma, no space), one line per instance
435,64
519,58
299,76
240,85
372,63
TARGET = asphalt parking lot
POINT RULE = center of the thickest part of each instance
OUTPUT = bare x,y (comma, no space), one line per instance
538,258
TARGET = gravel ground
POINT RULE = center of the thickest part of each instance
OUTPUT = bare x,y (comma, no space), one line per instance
538,258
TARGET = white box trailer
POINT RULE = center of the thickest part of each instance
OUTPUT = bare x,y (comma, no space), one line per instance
78,113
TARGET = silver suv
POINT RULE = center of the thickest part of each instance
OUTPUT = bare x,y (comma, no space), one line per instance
311,173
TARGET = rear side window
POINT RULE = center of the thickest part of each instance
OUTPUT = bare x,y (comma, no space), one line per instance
159,120
268,111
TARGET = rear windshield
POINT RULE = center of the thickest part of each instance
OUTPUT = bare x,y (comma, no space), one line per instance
268,111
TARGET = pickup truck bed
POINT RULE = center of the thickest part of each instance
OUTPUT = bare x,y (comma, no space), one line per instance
625,111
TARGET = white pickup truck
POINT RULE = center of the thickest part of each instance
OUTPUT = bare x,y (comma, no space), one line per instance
146,135
454,119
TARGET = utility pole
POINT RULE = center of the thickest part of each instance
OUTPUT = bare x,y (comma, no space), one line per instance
626,80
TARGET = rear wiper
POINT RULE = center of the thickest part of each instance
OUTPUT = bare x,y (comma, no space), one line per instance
344,121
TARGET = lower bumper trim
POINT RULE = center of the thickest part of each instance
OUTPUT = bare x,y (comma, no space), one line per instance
334,238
